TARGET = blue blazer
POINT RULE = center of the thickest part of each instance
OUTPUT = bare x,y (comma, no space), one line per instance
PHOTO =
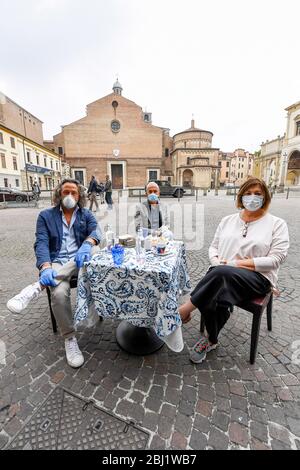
49,232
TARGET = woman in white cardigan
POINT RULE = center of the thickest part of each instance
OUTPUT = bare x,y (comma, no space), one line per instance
245,255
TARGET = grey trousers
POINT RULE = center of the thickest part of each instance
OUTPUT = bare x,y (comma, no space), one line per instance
93,199
61,296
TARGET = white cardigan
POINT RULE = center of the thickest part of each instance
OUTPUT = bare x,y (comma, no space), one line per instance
266,242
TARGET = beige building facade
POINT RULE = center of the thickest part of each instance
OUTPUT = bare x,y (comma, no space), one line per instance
11,162
224,165
290,155
23,162
235,167
241,166
267,161
278,161
194,160
23,157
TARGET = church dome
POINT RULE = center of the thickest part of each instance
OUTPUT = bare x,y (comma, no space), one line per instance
194,129
117,87
193,138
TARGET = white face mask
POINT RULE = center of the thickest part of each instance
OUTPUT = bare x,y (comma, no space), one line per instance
252,202
69,202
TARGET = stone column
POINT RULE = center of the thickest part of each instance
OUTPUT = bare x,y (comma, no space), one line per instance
283,169
217,175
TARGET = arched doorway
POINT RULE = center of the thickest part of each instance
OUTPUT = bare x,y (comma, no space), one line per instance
293,173
187,178
291,178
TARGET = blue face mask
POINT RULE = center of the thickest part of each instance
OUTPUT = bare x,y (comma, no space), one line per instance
153,197
252,202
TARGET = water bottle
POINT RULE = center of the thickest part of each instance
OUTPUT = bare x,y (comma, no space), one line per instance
167,234
140,247
110,237
147,244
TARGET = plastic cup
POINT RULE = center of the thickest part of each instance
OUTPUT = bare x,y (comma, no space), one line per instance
118,252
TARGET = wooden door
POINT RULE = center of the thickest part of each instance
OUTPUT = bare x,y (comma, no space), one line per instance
117,176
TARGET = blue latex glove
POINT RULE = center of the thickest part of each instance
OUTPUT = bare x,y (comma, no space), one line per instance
47,277
83,254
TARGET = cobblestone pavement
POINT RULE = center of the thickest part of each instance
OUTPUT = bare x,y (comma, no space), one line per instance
224,403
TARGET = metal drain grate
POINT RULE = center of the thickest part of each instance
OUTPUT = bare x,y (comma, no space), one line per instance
66,421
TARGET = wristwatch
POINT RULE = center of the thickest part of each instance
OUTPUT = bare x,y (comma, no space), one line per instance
42,268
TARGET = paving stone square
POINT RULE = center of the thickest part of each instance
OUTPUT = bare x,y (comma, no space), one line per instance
223,403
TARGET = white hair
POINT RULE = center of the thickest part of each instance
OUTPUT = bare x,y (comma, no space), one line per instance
152,183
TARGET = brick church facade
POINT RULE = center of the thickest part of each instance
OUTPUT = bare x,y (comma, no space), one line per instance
118,139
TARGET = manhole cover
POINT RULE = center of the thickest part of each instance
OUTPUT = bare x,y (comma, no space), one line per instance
65,421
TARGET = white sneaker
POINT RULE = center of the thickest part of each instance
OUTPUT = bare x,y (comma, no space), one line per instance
73,353
20,301
175,341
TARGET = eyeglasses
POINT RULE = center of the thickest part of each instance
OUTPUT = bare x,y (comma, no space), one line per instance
245,229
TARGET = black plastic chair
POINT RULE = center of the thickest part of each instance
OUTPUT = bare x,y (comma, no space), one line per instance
256,307
73,285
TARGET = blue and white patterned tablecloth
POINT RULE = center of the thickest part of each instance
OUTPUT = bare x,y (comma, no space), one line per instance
144,295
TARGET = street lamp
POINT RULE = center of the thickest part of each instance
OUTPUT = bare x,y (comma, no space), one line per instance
234,181
24,155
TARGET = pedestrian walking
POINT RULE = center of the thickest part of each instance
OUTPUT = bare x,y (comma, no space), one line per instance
36,191
92,193
108,193
100,191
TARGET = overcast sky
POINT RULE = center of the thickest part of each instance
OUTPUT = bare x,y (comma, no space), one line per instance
234,64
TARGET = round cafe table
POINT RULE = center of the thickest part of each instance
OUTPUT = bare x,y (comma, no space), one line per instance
143,297
137,340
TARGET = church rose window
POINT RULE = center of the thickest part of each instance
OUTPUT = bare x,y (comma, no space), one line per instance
115,126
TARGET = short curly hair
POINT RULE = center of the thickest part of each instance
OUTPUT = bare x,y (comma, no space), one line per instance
251,181
57,192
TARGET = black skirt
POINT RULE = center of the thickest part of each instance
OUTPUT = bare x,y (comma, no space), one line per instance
223,287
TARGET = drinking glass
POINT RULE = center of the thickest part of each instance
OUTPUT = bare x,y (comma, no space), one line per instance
154,236
118,252
145,232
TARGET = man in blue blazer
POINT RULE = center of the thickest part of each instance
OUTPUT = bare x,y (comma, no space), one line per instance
66,234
